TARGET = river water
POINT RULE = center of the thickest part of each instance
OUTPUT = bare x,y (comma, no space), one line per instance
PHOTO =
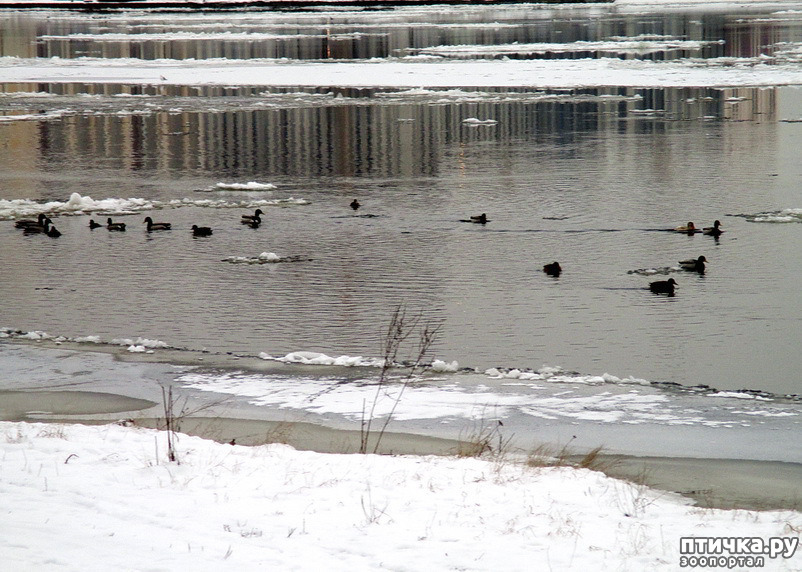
592,178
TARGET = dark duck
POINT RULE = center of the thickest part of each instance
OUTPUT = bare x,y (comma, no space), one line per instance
714,230
553,269
115,226
694,264
663,286
201,230
156,225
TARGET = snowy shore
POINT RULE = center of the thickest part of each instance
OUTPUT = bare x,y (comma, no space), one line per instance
104,497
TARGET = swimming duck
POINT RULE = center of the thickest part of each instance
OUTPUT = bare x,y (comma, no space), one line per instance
40,221
553,269
93,225
355,204
252,222
480,219
713,230
156,225
663,286
38,228
117,226
694,264
257,213
690,228
201,230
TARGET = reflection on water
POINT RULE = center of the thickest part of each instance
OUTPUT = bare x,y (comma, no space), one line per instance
359,35
343,132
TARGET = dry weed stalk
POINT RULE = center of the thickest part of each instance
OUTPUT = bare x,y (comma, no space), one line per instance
173,419
400,329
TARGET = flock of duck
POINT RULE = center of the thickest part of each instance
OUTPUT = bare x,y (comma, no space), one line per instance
44,225
659,287
691,264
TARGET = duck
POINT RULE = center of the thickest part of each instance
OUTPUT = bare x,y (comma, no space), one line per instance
553,269
355,204
694,264
53,232
479,219
93,225
40,221
663,286
117,226
38,228
255,216
201,230
713,230
689,228
156,225
252,222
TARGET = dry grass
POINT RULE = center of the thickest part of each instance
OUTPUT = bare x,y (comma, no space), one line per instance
545,455
485,439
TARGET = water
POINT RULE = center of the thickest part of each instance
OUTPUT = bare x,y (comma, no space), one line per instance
591,178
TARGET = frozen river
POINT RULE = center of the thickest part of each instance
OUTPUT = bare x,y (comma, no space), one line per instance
584,133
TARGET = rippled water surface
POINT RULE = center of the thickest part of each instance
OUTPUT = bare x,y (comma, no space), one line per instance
589,178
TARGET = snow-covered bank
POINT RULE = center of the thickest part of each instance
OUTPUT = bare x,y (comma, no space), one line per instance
409,73
102,498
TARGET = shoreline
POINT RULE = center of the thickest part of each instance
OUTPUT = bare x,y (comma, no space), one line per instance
709,483
192,357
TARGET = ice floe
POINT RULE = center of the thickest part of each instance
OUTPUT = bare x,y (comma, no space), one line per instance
81,205
780,216
616,45
138,344
410,73
317,358
477,121
265,258
250,186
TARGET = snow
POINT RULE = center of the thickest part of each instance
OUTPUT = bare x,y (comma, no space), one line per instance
105,498
447,401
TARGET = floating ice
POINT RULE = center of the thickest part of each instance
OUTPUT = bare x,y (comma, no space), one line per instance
264,258
142,342
250,186
35,336
88,340
440,365
738,395
781,216
80,205
317,358
139,349
556,375
75,205
616,45
178,36
477,121
224,204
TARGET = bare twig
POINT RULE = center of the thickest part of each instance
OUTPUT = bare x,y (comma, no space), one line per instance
398,332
